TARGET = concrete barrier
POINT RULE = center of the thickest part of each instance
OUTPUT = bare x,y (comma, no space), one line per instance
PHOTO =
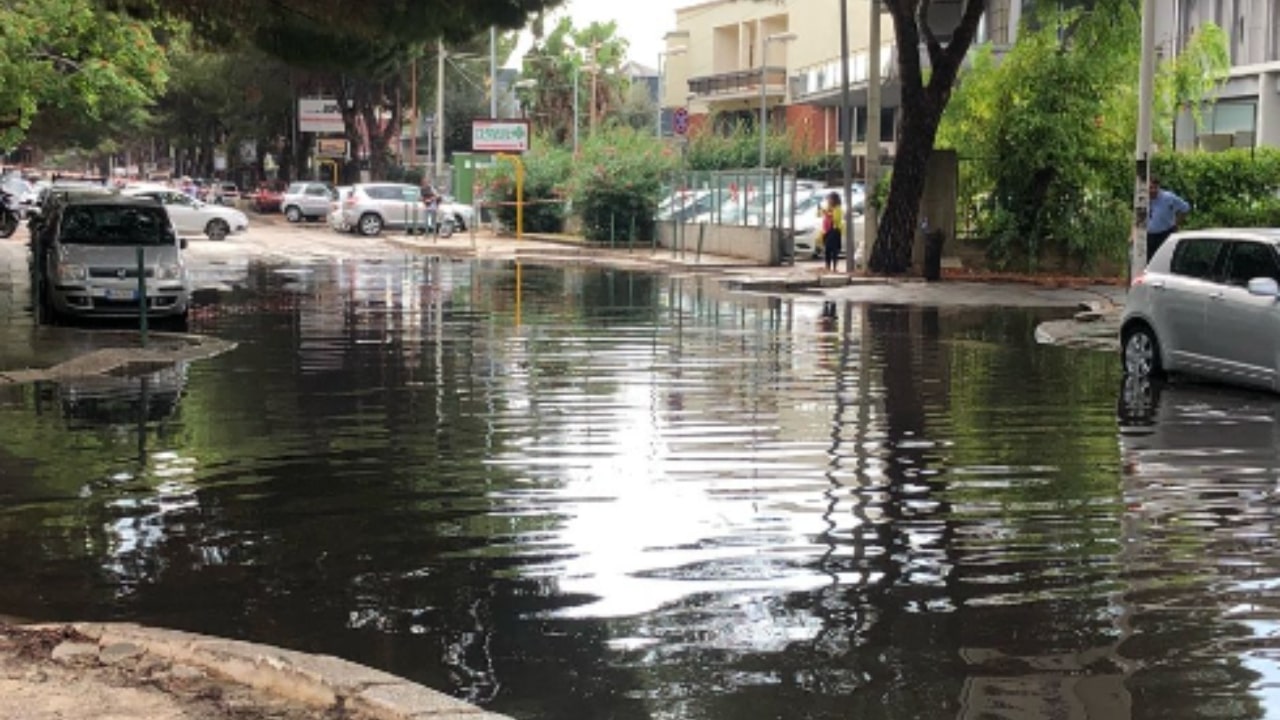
750,243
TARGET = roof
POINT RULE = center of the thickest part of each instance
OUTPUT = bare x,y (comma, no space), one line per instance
1269,234
110,199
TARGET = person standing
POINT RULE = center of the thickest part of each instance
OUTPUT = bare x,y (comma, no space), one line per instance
832,232
1165,214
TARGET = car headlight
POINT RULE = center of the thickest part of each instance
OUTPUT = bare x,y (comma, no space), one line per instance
168,272
72,273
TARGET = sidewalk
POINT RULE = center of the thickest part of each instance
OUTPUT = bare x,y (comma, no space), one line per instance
93,671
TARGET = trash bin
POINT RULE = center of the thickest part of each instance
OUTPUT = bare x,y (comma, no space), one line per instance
933,241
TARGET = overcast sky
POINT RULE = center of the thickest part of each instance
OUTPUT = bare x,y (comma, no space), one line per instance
641,22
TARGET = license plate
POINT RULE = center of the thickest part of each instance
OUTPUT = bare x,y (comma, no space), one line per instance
121,294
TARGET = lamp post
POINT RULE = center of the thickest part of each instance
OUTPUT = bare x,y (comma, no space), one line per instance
493,72
438,125
764,101
1142,151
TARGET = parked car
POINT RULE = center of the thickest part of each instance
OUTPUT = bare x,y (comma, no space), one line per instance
1208,304
336,219
193,217
89,265
226,193
461,215
306,201
266,199
374,206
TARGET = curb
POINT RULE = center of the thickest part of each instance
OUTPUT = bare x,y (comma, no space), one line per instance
321,681
106,360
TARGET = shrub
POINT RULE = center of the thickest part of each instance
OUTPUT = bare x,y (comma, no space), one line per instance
616,182
1235,188
546,173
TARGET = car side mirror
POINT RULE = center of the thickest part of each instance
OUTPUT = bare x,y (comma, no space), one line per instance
1264,287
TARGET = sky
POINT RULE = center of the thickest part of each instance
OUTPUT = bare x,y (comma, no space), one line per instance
641,22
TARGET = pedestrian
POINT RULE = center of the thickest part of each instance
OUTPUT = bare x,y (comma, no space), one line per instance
832,231
1163,217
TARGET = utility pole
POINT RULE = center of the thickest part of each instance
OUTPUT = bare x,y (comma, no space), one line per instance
846,134
595,75
438,125
1142,151
413,104
576,122
870,221
493,72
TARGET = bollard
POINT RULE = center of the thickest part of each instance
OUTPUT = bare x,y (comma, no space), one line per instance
631,244
613,240
702,232
142,294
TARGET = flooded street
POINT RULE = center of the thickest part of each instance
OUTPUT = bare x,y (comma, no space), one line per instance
566,492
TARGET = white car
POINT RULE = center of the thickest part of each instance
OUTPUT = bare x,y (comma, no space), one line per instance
463,215
193,217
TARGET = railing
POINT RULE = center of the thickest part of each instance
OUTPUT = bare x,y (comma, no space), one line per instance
824,77
740,81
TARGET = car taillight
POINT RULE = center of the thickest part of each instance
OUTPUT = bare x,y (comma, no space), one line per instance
1141,279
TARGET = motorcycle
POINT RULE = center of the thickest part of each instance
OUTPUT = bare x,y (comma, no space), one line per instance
10,214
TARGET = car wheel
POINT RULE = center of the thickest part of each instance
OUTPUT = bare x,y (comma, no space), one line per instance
217,229
370,224
293,214
1141,352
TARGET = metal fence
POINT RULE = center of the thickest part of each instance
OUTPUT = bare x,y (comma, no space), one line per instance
748,198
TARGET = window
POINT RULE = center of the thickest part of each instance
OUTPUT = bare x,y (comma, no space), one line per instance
1250,260
114,225
1196,258
317,191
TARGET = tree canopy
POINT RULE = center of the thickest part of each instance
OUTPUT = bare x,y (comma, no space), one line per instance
70,71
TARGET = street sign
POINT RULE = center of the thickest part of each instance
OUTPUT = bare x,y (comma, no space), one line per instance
319,115
510,136
331,147
680,123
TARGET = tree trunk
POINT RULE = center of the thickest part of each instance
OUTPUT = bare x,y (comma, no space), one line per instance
891,254
922,107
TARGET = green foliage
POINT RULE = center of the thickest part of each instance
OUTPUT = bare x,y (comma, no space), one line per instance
567,54
1193,75
547,167
617,181
1235,188
1045,133
739,147
69,68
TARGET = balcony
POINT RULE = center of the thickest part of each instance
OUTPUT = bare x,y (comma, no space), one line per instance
739,83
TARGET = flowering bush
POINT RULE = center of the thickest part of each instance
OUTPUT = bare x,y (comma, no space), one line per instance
616,182
546,173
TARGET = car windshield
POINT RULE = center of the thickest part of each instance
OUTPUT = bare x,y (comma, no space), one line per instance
115,225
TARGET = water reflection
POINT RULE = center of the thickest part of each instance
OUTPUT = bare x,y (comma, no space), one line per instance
587,493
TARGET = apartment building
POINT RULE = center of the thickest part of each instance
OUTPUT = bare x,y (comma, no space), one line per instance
720,52
1246,112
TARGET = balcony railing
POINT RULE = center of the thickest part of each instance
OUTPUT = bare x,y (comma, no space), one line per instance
739,82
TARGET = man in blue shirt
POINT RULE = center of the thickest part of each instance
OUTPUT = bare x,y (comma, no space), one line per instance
1163,217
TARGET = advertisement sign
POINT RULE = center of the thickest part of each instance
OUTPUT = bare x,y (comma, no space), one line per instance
331,147
320,115
511,136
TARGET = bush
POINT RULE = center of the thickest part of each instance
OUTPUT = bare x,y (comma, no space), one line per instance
546,174
616,182
1235,188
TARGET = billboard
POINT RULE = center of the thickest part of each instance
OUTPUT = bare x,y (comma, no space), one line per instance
500,136
320,115
331,147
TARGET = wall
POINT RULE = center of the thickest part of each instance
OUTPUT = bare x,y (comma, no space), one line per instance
725,240
810,128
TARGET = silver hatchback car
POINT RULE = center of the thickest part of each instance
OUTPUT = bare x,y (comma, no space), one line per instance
1208,305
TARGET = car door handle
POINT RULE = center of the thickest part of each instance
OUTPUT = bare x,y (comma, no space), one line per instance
1157,284
1215,295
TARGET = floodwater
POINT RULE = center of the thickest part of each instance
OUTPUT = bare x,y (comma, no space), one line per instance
577,493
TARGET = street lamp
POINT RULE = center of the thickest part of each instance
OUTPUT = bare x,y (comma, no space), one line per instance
764,107
668,53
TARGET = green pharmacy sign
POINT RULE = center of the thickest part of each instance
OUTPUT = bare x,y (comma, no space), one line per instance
500,136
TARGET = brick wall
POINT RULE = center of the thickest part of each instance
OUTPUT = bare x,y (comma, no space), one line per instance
812,128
